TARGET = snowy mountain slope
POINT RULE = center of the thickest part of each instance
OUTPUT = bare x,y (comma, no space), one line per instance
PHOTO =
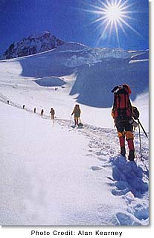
70,166
32,45
67,176
141,55
88,80
97,71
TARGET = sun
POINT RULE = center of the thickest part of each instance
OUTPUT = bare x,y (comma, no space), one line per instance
113,16
113,13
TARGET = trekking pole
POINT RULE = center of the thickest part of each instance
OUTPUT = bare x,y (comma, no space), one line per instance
141,151
70,120
80,120
140,140
53,121
142,128
141,148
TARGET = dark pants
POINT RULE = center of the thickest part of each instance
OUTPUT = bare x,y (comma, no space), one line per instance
125,129
123,125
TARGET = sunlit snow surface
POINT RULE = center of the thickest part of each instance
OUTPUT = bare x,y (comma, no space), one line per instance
53,174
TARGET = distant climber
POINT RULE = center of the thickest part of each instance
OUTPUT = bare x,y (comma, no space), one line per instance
42,111
122,113
34,109
52,112
23,106
76,112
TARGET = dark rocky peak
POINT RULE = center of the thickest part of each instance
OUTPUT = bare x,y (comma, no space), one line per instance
33,44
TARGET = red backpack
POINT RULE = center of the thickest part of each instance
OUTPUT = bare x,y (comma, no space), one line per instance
122,107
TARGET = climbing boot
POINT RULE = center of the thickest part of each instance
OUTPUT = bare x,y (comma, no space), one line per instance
123,151
131,155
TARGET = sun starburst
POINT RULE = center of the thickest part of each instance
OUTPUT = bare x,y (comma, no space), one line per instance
113,15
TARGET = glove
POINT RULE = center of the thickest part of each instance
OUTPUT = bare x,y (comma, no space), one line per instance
133,123
112,114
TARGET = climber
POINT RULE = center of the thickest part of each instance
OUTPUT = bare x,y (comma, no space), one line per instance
122,113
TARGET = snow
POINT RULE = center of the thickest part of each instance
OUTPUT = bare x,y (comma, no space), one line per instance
90,84
50,82
59,175
71,46
51,184
142,102
48,184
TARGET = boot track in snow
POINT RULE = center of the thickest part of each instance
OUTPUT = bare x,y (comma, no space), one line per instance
126,179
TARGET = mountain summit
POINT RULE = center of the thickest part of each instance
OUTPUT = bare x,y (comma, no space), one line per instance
32,45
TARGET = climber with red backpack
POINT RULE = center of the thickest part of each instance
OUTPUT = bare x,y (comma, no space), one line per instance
123,114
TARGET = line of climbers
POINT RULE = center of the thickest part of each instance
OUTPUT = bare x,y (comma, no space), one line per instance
52,111
123,113
76,112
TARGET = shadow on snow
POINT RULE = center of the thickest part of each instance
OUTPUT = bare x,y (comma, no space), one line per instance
95,81
128,177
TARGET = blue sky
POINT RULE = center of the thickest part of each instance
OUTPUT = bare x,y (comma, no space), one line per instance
68,20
